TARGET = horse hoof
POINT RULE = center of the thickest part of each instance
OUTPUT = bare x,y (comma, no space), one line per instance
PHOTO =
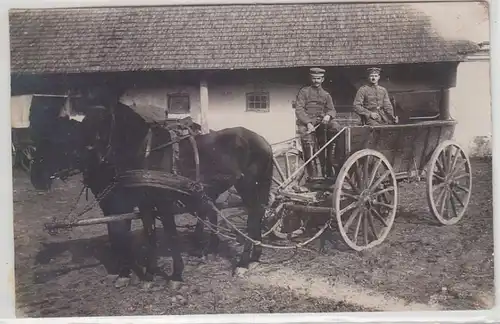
122,282
253,265
240,272
174,285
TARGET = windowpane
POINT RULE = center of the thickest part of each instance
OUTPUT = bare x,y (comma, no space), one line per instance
178,104
257,101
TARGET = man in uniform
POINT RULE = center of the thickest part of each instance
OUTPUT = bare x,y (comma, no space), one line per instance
372,102
314,106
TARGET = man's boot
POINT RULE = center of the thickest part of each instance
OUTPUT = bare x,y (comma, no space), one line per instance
311,166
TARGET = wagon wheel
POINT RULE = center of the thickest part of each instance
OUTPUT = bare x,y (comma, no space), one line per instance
365,199
285,163
449,183
26,157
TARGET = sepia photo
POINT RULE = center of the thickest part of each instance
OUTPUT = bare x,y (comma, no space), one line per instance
251,158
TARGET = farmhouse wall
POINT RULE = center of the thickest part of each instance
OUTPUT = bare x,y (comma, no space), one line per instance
470,105
227,106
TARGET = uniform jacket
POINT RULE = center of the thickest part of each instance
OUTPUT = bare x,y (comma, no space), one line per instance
372,98
312,103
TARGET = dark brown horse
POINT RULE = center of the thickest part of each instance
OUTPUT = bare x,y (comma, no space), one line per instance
115,139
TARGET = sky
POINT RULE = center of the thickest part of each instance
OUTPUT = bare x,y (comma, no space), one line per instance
458,20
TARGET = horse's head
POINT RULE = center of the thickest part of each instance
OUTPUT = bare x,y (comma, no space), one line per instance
57,151
97,128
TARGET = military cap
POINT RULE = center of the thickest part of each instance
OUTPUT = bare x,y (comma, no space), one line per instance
371,70
316,72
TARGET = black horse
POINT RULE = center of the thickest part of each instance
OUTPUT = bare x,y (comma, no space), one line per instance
115,138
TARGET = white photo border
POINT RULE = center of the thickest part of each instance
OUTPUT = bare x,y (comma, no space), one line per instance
7,285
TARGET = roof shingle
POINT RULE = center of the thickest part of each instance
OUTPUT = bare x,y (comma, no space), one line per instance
223,37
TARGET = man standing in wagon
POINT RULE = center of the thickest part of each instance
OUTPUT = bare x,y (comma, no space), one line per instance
372,102
314,106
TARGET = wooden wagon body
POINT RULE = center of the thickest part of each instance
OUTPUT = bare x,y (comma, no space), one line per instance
407,147
365,189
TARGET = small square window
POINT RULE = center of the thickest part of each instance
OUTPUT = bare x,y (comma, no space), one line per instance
258,101
178,104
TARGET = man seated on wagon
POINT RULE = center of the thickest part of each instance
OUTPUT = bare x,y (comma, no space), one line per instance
314,106
372,102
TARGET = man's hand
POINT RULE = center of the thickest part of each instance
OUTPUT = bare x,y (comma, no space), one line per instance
375,116
326,119
310,128
396,120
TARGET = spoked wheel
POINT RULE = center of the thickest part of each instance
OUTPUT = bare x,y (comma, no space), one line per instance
449,183
26,158
286,162
365,199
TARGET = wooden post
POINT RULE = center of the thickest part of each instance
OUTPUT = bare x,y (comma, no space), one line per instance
204,106
444,104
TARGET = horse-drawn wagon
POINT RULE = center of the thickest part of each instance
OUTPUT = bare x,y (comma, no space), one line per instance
362,198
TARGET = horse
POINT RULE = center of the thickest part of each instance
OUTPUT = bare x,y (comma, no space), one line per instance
115,138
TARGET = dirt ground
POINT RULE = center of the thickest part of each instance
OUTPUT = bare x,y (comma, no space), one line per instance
420,266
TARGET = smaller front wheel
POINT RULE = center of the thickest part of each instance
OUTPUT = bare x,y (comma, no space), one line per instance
365,199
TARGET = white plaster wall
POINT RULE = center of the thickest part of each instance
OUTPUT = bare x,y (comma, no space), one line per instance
227,108
470,105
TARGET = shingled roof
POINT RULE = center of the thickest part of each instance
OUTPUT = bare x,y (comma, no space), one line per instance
243,36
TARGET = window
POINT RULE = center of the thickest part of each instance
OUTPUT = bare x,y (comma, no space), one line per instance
178,103
258,101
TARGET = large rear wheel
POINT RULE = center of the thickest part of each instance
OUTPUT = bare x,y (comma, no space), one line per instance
365,199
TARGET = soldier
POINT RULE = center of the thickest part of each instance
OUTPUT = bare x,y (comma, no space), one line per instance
314,106
372,102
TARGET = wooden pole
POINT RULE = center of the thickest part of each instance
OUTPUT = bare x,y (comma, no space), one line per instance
444,104
204,106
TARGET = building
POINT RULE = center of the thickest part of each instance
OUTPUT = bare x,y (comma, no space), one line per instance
228,65
471,103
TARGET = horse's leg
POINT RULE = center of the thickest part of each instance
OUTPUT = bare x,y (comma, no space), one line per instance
120,239
253,225
198,235
255,190
119,234
172,237
207,213
148,221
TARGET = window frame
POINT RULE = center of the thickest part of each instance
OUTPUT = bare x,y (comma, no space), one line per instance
171,96
255,94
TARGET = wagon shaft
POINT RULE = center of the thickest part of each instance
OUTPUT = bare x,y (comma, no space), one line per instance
84,222
308,209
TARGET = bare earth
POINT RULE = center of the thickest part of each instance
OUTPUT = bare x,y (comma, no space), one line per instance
420,266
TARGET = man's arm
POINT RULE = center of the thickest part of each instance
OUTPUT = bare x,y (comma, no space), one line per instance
358,104
387,106
330,109
300,112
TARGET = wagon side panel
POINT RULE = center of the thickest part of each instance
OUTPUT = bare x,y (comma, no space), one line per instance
407,147
429,139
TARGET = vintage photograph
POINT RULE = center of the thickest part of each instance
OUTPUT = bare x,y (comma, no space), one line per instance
251,158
